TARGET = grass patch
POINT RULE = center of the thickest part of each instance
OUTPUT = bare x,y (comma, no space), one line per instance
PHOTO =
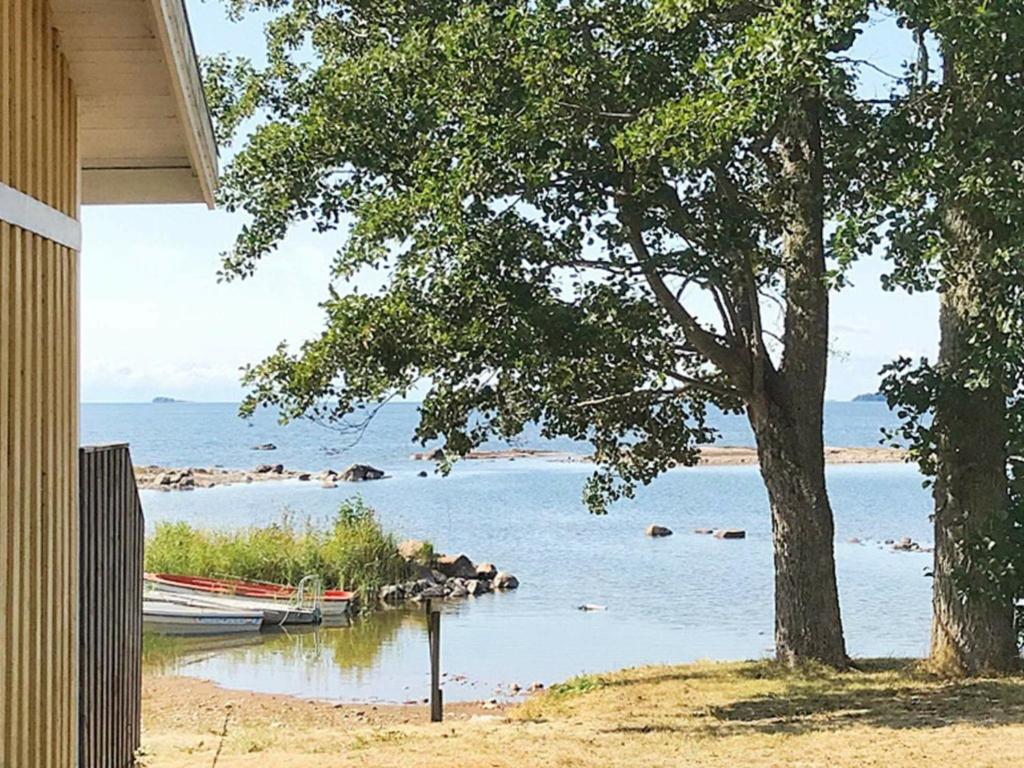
353,552
889,714
577,686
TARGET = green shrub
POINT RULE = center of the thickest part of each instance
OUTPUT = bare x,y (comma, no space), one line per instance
353,553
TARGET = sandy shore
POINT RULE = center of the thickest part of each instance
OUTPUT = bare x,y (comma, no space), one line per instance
189,478
706,715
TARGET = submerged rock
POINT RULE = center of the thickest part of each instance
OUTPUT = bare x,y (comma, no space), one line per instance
704,531
657,531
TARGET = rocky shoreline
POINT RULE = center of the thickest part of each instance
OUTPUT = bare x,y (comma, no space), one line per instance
157,478
445,577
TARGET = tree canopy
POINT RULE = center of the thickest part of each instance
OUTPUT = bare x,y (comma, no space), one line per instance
580,207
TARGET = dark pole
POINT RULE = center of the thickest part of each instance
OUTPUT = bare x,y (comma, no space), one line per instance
434,637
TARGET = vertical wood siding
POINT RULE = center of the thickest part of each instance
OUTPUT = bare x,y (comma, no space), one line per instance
38,402
111,608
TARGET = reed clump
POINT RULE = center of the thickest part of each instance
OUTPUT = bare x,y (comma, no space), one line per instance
353,552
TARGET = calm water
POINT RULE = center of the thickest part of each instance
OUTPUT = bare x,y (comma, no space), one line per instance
678,599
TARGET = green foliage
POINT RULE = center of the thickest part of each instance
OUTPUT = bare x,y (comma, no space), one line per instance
954,204
577,686
353,553
549,189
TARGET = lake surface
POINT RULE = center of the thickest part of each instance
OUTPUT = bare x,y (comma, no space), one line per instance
678,599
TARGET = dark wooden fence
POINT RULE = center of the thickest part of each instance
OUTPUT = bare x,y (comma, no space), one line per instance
110,608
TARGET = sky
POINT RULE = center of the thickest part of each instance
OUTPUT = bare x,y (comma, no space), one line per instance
156,322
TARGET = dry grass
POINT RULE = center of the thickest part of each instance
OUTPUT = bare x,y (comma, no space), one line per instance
891,714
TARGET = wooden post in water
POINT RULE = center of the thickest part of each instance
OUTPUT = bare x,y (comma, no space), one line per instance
434,638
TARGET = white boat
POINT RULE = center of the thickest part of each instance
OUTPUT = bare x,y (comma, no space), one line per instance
274,613
307,603
171,618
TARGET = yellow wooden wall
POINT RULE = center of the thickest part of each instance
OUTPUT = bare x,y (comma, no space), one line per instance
38,401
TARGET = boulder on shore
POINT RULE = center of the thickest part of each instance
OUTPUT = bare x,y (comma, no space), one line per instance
264,469
357,473
657,531
456,566
730,533
412,549
503,580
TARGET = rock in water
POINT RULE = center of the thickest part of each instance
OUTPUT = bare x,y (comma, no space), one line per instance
357,473
458,566
730,533
503,580
435,454
486,571
392,593
422,473
704,531
592,607
265,447
657,531
906,544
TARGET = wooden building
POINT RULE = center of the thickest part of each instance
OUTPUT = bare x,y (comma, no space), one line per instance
100,102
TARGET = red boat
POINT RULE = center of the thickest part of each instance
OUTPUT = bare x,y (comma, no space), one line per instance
333,602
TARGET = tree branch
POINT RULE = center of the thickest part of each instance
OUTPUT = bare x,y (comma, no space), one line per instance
707,343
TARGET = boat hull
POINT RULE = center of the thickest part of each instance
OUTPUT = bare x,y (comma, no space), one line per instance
176,619
275,613
274,599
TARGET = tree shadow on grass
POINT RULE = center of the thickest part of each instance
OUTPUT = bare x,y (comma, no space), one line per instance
885,693
801,708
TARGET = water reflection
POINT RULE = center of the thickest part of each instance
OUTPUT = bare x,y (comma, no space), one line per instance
331,661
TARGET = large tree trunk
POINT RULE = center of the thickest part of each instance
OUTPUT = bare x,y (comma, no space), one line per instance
785,411
972,629
790,447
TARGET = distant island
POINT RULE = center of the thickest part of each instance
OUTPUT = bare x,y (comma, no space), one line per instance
870,397
166,400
